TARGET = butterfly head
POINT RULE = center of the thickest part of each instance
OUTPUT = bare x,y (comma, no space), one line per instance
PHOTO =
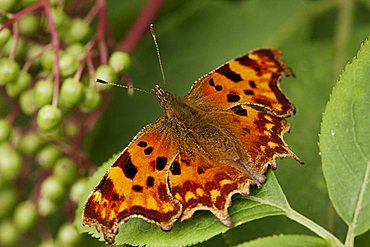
164,97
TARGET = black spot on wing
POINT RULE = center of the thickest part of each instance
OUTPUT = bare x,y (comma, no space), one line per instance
142,144
232,97
218,87
137,188
248,92
239,110
148,150
252,84
175,168
129,170
200,170
150,181
228,73
160,163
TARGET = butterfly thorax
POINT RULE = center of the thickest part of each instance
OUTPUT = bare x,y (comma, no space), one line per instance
187,121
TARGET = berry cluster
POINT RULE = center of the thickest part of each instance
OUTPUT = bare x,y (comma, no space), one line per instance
49,62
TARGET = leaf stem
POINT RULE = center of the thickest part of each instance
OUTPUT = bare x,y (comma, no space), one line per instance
301,219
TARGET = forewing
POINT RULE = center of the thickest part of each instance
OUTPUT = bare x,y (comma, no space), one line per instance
136,185
250,79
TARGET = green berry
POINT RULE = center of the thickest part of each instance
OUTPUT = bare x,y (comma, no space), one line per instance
77,50
5,130
25,215
8,198
20,84
48,243
78,190
48,156
71,129
53,189
68,235
71,92
43,92
106,73
20,50
119,61
30,143
8,233
77,31
6,5
91,100
68,64
27,102
46,206
65,170
10,162
28,24
49,117
4,36
9,71
47,60
61,20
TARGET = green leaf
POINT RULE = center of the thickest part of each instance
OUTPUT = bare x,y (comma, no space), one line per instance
286,241
345,146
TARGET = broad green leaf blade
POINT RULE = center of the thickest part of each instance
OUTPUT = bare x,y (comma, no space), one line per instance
345,143
286,241
201,227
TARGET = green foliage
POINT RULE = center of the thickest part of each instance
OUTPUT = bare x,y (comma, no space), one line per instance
344,143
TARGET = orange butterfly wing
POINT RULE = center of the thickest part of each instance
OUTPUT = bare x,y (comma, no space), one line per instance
251,79
136,185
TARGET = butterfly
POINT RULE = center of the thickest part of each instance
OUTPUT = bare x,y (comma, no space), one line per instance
214,142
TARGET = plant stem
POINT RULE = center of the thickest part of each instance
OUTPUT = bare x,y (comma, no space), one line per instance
141,24
314,227
342,34
55,43
299,218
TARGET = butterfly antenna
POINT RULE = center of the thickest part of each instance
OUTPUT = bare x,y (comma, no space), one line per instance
130,87
158,53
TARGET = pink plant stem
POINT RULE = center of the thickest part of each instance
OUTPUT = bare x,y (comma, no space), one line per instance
140,26
55,43
22,12
15,42
101,27
13,113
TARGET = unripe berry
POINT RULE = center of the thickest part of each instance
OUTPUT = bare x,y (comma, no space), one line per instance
53,189
8,198
8,233
5,130
9,71
25,215
4,36
47,60
68,64
120,61
68,235
77,31
6,5
106,73
20,84
43,92
46,206
48,156
30,143
77,190
49,117
65,170
28,24
27,102
91,100
71,92
10,162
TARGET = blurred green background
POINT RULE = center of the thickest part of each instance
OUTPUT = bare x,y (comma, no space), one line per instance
317,38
